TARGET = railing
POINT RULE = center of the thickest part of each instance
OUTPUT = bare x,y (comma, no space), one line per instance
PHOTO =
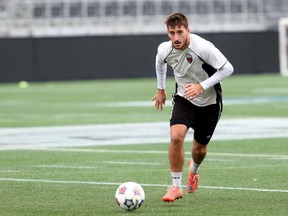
37,18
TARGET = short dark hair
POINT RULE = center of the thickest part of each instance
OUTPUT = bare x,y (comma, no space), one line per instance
177,19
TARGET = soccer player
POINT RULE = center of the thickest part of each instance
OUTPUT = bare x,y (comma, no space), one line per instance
198,68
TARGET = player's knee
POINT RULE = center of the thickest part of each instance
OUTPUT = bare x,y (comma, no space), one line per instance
177,139
200,152
199,149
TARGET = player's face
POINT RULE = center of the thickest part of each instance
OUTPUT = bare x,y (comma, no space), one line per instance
179,36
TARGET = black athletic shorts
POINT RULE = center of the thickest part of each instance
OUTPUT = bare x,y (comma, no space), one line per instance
202,120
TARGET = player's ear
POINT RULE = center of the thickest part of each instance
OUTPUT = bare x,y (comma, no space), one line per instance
188,29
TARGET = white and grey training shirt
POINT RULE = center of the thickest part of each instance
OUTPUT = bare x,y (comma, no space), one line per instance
187,67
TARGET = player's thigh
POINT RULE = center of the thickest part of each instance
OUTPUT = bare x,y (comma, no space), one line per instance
206,123
183,112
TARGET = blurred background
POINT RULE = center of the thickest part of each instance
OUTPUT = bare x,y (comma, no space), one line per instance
44,40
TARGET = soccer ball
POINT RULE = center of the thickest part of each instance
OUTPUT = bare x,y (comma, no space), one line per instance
129,196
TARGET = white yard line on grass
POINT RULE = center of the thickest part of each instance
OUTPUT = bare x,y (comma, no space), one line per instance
10,171
65,167
117,151
214,159
104,162
133,163
144,185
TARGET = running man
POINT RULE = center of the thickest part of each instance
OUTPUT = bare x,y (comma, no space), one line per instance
198,68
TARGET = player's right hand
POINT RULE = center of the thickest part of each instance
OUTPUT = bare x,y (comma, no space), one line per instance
159,98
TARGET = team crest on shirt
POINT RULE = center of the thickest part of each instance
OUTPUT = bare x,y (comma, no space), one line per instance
189,58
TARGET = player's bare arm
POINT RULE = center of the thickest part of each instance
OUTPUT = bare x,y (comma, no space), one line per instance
159,98
192,91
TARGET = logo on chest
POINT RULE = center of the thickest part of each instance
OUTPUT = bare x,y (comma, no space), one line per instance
189,58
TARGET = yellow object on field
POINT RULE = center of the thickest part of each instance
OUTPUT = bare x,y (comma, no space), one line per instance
23,84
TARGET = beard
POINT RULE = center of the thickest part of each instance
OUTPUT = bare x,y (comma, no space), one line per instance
180,45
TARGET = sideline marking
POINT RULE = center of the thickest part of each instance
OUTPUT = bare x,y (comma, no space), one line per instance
133,133
147,185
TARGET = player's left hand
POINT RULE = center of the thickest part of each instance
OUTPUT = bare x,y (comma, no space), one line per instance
192,91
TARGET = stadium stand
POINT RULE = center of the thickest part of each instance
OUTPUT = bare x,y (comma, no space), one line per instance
38,18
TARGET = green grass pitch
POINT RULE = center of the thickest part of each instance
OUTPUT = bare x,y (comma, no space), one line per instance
238,177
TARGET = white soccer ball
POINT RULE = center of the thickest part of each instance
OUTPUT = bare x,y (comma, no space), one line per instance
130,196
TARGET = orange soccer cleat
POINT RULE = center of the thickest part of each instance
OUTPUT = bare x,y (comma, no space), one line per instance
192,181
172,194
